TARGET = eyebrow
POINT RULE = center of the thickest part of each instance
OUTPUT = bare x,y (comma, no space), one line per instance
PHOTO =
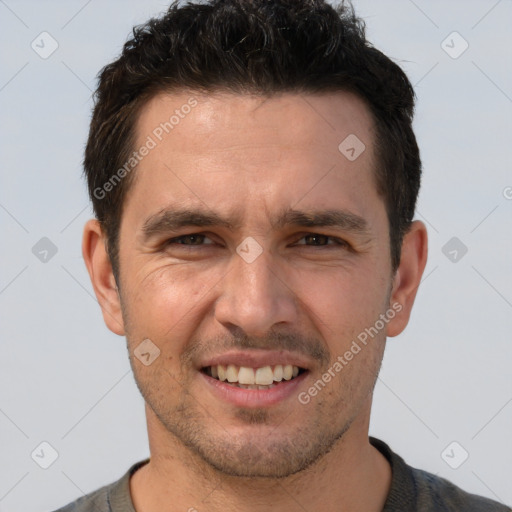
171,220
341,219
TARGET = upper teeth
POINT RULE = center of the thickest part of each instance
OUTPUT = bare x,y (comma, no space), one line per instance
263,376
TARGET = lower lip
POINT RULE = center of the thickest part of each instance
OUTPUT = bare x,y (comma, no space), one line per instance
254,397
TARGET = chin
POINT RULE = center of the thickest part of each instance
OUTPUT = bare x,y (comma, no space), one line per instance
264,455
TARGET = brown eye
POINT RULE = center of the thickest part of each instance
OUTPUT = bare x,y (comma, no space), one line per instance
319,240
316,239
195,239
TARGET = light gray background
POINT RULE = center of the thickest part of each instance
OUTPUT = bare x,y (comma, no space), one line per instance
65,378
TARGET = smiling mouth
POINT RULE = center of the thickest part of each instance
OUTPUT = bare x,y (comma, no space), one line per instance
265,377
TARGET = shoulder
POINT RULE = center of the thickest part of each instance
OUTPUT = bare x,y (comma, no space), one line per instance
436,493
413,489
96,501
114,497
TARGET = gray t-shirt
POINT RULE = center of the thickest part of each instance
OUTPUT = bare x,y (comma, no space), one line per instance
412,490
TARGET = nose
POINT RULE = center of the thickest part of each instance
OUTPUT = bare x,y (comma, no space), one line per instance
255,296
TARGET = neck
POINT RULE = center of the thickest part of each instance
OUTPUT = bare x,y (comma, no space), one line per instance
352,476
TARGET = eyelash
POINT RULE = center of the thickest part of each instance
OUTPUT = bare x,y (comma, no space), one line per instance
337,241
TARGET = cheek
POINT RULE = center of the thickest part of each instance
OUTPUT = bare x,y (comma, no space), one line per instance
344,301
162,301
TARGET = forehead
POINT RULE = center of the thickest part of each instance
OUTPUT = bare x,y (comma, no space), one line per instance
287,119
230,151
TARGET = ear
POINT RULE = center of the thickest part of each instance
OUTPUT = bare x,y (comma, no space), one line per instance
408,276
102,277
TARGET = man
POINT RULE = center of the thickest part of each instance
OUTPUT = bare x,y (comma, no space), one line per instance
254,174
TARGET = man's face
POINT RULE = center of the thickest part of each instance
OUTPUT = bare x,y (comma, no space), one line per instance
249,239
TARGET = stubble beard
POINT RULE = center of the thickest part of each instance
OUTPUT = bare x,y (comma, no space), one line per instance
272,454
275,452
